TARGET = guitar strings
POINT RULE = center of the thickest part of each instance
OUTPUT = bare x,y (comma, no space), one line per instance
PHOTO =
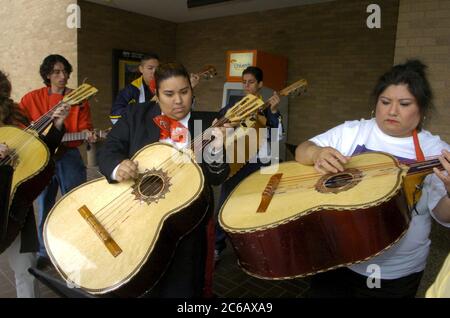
427,165
290,186
314,175
294,182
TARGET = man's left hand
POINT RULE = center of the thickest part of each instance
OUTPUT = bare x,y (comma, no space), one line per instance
91,136
194,79
274,101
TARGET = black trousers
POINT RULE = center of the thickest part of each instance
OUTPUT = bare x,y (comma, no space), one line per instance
185,275
344,282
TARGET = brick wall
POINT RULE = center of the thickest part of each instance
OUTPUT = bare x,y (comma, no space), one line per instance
424,32
328,44
104,29
29,31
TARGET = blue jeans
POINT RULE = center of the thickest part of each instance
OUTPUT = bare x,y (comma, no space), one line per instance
227,188
70,172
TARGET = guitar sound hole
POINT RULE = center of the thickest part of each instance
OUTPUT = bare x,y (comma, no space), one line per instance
339,181
151,185
335,183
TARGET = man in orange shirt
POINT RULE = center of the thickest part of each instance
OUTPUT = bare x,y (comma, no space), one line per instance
70,170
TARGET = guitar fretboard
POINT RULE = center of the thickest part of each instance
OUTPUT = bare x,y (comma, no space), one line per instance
425,166
75,136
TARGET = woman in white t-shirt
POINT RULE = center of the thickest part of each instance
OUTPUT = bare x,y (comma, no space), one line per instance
403,97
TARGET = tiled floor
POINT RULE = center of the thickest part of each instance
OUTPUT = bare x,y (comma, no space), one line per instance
231,281
7,285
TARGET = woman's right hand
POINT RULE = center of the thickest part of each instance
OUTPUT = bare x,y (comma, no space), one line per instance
4,151
329,160
127,170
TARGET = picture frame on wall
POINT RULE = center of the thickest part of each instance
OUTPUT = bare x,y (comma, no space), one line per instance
125,68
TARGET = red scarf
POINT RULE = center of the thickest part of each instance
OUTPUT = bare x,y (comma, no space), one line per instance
419,153
171,128
152,86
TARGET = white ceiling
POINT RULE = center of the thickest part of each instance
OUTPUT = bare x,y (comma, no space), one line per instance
177,11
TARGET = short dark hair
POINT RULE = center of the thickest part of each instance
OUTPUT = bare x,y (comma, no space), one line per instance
411,73
149,56
49,62
255,71
168,70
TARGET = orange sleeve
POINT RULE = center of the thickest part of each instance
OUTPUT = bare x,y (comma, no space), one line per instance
84,119
24,106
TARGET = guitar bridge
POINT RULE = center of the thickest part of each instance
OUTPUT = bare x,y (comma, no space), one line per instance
268,192
104,236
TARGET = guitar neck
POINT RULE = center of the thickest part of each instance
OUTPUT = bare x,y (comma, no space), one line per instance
44,121
424,167
415,176
201,74
208,72
282,93
74,97
74,136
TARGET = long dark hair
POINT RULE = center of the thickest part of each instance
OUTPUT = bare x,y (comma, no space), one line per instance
168,70
412,73
10,113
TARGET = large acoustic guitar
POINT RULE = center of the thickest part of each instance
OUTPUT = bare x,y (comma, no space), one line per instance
29,155
296,222
120,237
251,133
